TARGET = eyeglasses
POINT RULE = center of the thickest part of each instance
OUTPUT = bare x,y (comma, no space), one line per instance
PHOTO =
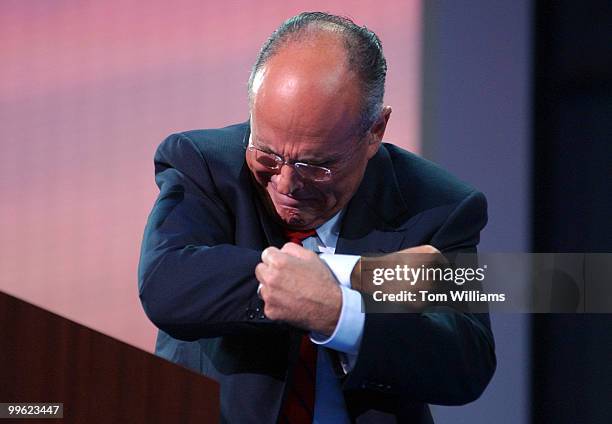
274,162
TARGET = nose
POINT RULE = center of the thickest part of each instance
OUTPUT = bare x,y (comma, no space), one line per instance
287,181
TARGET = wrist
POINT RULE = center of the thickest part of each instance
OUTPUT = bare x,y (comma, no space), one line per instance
333,316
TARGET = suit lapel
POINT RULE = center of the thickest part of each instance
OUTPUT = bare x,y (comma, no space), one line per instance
368,224
272,231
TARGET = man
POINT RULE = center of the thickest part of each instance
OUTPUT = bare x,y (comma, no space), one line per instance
277,323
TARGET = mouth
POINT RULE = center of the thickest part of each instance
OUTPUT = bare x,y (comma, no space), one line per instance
285,201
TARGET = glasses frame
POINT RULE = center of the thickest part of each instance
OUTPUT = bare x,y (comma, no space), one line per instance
297,165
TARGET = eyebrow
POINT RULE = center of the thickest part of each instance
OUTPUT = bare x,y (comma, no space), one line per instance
312,161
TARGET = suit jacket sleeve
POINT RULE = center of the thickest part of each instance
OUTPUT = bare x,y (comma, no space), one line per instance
443,356
193,282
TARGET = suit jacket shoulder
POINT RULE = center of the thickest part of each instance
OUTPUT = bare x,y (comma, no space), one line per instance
425,183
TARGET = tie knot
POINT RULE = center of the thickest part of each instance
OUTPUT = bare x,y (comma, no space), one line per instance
298,236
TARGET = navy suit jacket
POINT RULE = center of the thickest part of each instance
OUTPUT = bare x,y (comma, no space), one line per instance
204,238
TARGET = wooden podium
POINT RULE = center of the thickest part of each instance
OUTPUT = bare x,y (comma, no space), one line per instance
47,358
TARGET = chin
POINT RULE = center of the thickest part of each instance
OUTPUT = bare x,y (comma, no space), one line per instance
296,220
306,217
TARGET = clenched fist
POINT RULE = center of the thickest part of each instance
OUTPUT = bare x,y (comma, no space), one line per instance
298,288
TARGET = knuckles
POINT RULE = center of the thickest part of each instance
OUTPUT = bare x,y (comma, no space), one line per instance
276,258
311,255
260,270
428,248
271,312
279,260
287,247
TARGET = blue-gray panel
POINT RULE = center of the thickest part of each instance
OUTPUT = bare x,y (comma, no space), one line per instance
476,123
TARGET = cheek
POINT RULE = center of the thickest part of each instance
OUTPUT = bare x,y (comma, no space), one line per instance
334,192
262,178
346,182
343,189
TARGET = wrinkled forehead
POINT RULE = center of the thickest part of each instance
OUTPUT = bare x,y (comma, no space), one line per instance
304,123
307,90
308,149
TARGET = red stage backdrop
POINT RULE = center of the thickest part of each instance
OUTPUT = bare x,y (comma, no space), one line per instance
87,92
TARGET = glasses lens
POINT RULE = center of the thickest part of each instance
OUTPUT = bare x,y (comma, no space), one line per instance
311,172
266,159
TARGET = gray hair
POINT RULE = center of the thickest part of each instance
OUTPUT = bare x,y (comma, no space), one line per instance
364,54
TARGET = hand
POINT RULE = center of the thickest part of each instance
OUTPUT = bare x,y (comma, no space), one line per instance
298,288
430,255
413,257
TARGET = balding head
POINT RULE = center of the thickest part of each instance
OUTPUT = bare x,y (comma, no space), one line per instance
362,54
309,83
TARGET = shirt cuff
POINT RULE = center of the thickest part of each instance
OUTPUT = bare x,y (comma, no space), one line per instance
347,334
341,266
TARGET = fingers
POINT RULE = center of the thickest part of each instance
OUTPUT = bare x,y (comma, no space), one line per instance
297,251
278,258
428,248
281,275
261,273
421,255
260,270
268,254
266,291
425,248
275,258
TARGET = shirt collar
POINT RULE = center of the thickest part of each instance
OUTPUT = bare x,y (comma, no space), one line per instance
329,231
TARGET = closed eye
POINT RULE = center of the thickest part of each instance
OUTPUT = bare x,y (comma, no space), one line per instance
324,164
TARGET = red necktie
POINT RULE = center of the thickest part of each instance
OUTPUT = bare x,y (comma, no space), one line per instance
299,403
298,237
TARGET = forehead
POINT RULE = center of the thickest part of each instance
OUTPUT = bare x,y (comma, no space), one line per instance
306,98
303,143
306,149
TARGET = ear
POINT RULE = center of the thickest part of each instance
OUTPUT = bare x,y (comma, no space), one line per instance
377,131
